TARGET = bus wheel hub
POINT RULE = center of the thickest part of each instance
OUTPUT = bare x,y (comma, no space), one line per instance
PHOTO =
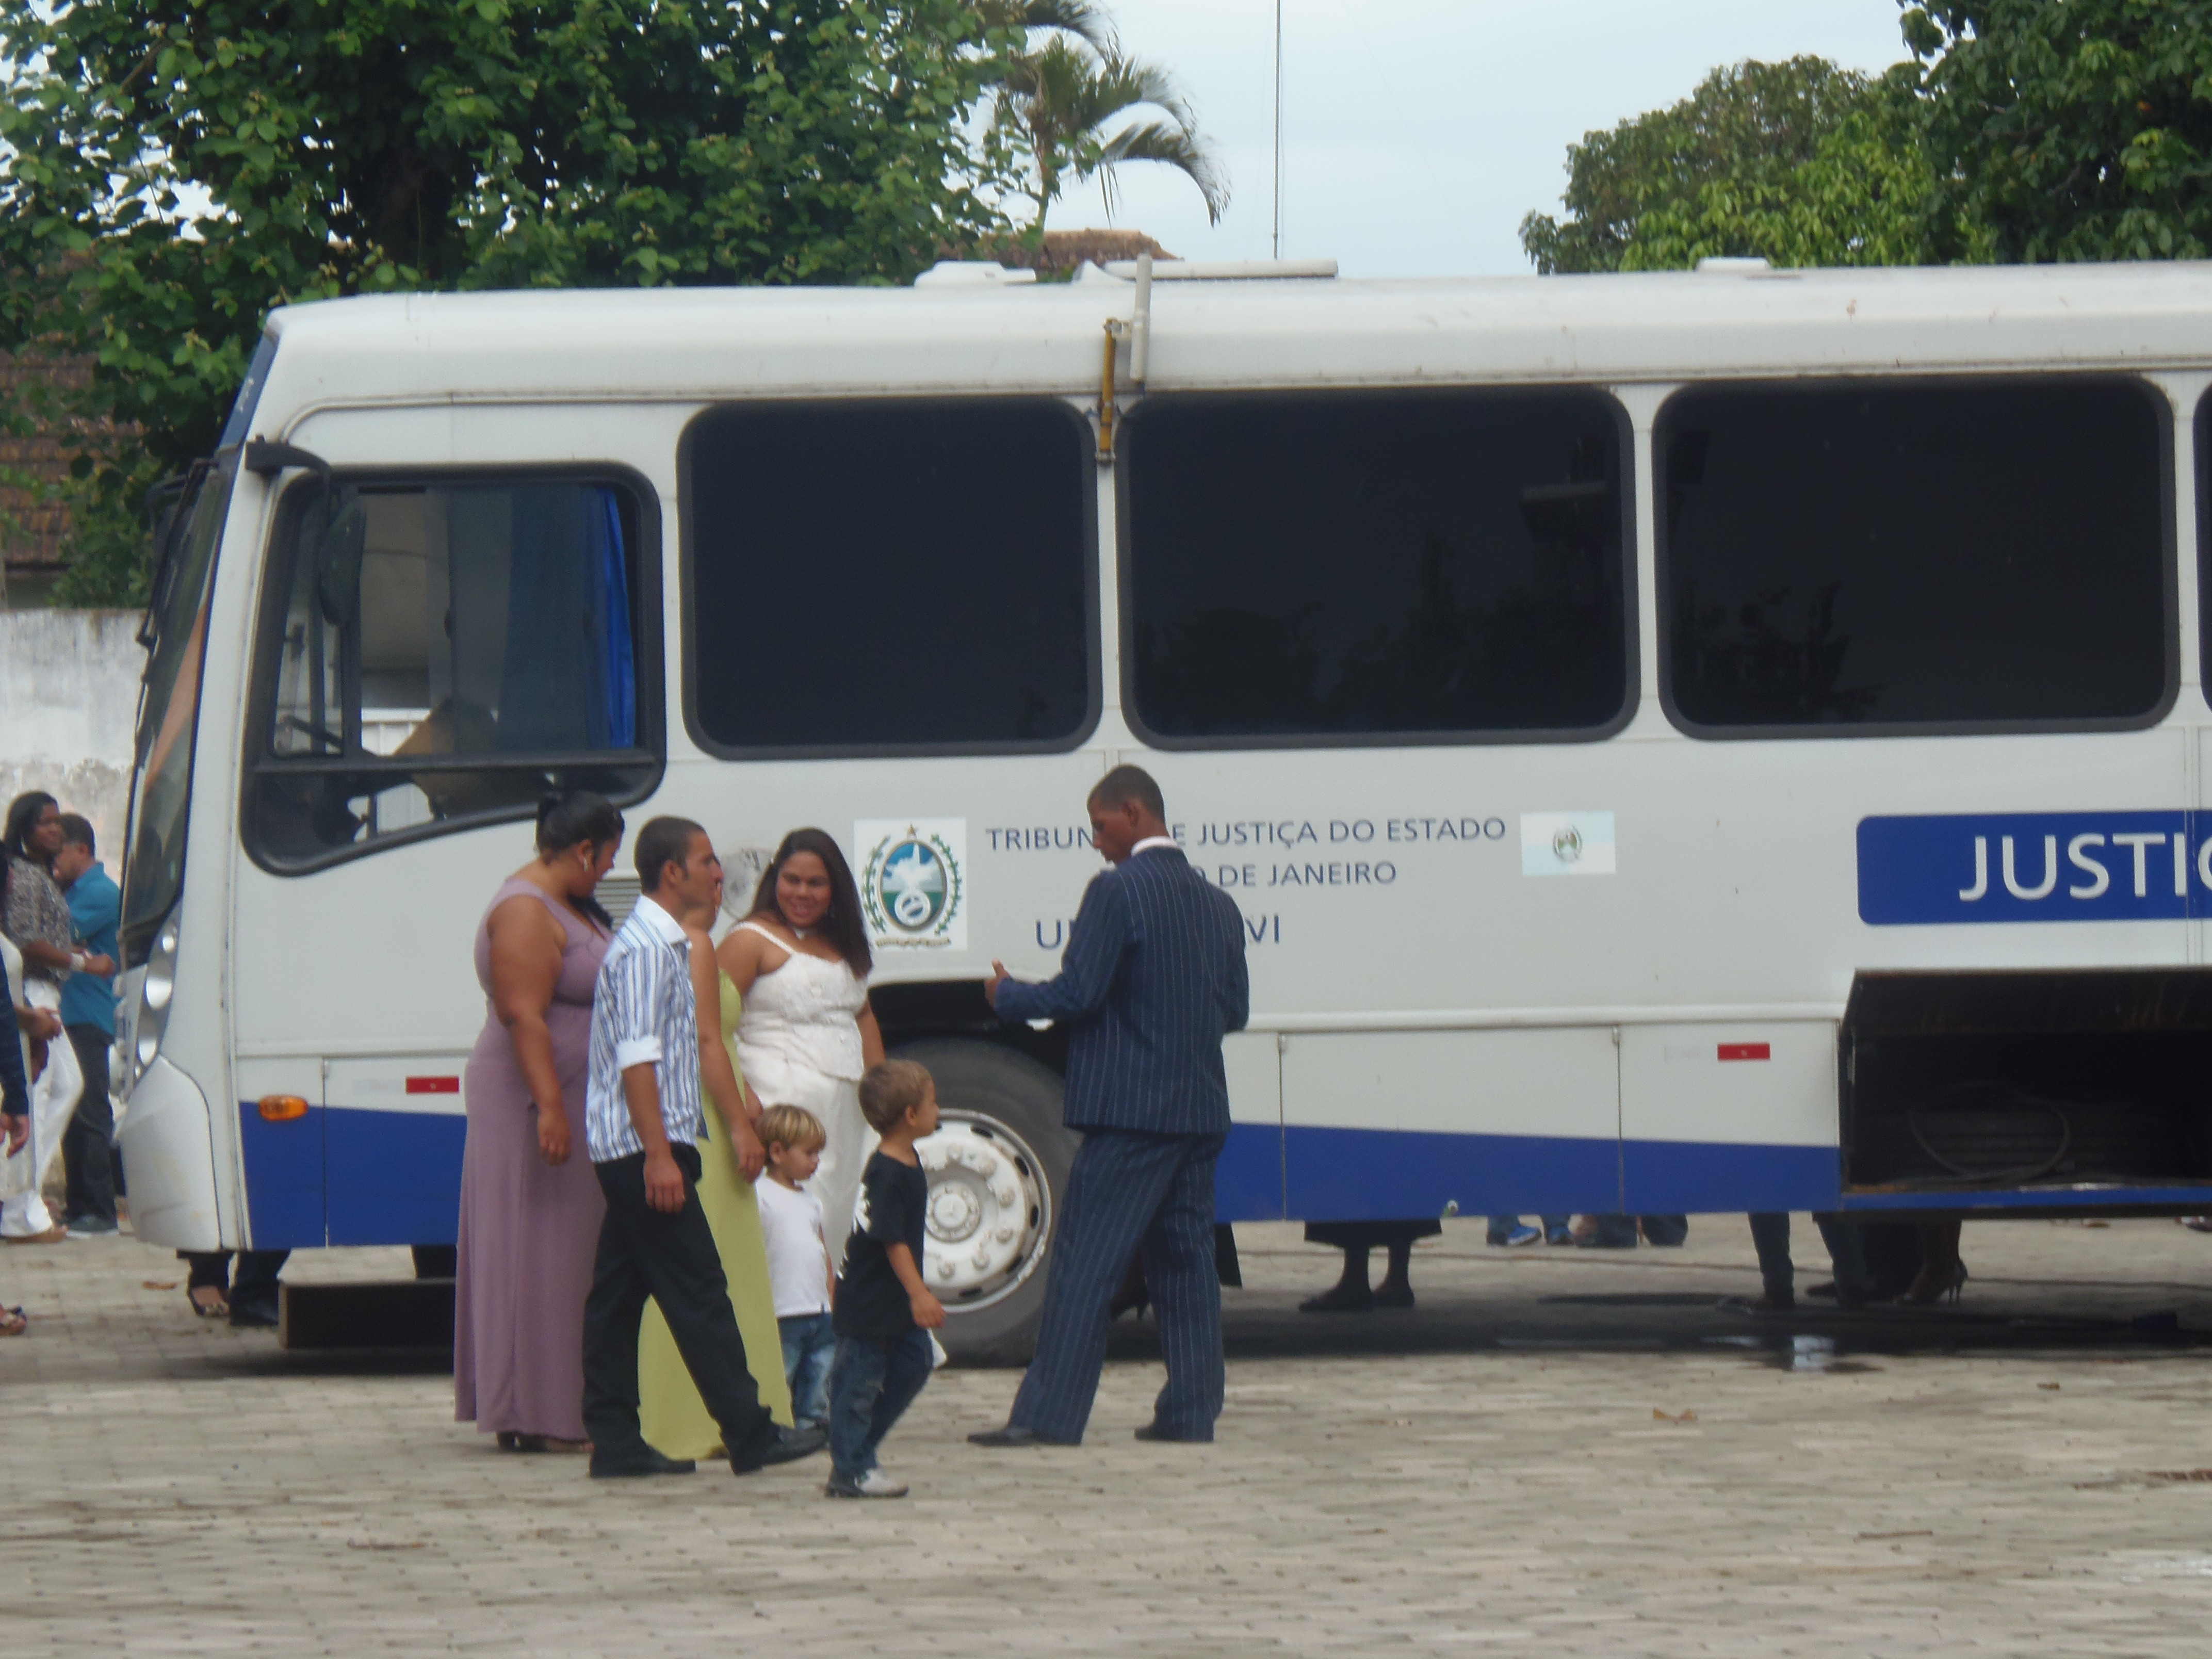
987,1205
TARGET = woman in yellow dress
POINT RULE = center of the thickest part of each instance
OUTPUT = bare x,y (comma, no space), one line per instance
674,1418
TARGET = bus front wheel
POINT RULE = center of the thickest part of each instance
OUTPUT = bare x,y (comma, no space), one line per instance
998,1171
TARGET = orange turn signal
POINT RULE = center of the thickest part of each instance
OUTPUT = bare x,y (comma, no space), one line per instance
282,1109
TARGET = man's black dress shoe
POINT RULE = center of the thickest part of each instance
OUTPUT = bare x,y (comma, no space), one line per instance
1014,1435
622,1466
1154,1431
779,1446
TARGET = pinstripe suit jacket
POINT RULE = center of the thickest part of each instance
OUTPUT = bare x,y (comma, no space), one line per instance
1152,976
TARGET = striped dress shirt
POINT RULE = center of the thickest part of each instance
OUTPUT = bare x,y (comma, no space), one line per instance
643,1010
1153,978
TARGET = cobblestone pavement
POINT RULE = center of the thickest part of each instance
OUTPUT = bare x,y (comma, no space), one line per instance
1561,1452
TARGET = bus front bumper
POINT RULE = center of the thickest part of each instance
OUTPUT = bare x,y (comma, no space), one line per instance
168,1153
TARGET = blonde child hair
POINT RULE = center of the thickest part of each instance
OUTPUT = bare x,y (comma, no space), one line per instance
794,1127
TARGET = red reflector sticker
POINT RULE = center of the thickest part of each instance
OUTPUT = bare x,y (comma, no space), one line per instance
1729,1051
451,1085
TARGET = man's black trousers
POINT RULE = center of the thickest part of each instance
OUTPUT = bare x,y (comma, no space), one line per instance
87,1144
671,1259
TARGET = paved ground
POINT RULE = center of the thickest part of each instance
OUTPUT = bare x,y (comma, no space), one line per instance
1562,1452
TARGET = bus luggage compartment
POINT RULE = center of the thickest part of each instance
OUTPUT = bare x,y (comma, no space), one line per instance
2074,1091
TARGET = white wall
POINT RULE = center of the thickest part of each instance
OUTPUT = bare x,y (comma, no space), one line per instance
69,694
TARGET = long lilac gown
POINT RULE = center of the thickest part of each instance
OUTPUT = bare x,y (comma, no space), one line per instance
528,1230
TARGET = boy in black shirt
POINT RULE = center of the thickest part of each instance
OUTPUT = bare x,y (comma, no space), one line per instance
884,1312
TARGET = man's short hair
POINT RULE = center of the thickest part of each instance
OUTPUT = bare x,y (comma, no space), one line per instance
662,842
1125,784
891,1089
794,1127
77,832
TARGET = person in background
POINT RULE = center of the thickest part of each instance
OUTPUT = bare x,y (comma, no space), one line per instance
1852,1287
250,1301
15,1073
530,1209
1351,1293
1942,1275
87,1013
37,918
1617,1232
883,1319
805,1283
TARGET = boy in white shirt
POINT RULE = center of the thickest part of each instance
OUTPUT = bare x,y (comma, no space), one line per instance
799,1270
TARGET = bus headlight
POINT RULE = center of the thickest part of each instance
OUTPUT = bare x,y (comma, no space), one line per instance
155,991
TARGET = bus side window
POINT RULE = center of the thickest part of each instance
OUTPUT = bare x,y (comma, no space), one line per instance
890,575
443,653
1925,555
1332,568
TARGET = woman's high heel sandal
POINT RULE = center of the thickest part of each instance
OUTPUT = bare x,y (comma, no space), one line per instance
1930,1289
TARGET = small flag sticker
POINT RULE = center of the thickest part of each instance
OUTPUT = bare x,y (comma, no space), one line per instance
1566,844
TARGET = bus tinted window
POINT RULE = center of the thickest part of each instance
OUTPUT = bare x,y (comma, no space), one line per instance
2204,534
889,576
1978,555
1336,566
444,651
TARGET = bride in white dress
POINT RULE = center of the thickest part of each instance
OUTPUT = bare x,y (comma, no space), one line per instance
805,1033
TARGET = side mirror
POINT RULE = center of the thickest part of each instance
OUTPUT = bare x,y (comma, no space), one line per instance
338,552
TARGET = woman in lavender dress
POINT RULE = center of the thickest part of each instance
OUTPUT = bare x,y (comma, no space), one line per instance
531,1207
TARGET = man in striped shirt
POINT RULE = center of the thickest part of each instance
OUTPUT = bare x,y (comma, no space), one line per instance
641,1123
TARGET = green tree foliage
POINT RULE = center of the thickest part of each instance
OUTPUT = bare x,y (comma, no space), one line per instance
1862,197
2073,130
1747,129
170,170
1062,93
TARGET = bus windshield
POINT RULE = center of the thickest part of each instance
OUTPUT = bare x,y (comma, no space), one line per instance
169,707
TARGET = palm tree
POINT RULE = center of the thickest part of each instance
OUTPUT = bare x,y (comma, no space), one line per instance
1063,93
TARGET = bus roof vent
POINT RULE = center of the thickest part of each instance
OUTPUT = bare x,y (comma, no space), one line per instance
1726,263
1224,270
972,273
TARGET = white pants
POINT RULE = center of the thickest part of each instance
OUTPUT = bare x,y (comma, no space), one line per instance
53,1101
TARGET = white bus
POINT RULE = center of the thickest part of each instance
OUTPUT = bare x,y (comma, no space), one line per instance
1727,741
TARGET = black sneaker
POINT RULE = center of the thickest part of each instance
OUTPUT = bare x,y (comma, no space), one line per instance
778,1446
874,1484
90,1226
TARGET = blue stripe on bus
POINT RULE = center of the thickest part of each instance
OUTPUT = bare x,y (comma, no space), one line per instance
352,1177
1248,1181
1378,1174
395,1177
284,1178
2158,1199
1680,1177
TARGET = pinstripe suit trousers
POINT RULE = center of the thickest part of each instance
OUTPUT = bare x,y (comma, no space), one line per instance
1126,1191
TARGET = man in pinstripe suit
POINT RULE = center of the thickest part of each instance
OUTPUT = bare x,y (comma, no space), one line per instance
1152,976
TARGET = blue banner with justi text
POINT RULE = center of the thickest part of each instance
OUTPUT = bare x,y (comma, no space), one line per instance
2035,866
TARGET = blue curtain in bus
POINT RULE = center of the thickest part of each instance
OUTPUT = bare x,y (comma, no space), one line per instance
570,679
612,571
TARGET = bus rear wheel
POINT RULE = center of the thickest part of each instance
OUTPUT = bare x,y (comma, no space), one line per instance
997,1174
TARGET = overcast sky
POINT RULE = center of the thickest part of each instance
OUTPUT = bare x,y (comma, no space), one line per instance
1416,133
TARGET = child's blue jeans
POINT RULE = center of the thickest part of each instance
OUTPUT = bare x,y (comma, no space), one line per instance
871,1385
808,1344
